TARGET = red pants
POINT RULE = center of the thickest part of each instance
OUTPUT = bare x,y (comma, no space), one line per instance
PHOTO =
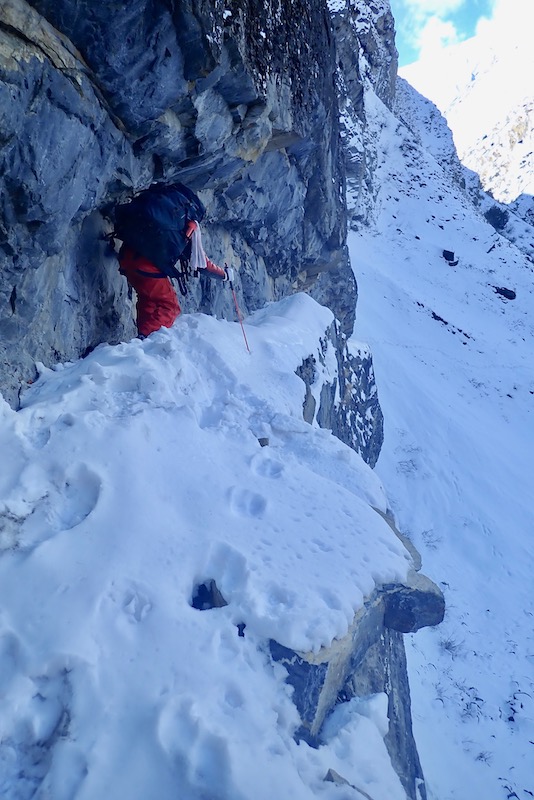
157,304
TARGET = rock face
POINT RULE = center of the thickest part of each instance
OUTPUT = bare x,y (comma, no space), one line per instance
368,660
59,149
366,58
237,100
347,403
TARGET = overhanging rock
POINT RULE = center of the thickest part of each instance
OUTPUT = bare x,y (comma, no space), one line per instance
417,604
369,659
319,678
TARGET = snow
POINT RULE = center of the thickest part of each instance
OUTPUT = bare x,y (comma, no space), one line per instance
133,476
455,375
355,730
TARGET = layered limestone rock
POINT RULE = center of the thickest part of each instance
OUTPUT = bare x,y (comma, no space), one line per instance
59,149
237,100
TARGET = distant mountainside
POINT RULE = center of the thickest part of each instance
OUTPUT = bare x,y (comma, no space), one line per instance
485,90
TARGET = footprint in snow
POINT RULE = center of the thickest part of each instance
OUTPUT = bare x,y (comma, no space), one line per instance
11,658
246,503
40,437
65,505
127,602
266,466
199,756
34,736
233,698
79,497
135,605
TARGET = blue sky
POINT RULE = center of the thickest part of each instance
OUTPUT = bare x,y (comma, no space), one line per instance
424,24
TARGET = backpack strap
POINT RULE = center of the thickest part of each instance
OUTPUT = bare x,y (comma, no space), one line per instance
151,274
180,279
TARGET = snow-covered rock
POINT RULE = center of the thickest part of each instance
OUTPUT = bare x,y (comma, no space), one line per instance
137,475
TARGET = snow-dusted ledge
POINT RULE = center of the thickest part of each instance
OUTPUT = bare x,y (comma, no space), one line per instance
135,476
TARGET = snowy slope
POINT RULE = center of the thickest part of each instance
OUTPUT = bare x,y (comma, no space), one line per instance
135,475
430,131
455,373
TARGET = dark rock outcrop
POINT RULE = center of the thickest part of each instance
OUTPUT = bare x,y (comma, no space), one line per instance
419,604
370,659
238,101
348,402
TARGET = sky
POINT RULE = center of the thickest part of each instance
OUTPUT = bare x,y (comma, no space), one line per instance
423,25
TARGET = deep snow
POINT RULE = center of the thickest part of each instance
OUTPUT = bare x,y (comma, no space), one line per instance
133,476
136,474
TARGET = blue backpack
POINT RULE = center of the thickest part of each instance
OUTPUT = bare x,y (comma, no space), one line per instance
153,223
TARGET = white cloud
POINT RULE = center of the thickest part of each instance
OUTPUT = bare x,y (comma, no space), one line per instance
426,27
430,78
434,36
424,24
447,64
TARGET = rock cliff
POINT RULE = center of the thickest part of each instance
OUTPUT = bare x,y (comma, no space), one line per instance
241,101
237,100
366,58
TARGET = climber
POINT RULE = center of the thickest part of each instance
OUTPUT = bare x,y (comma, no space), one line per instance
157,302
